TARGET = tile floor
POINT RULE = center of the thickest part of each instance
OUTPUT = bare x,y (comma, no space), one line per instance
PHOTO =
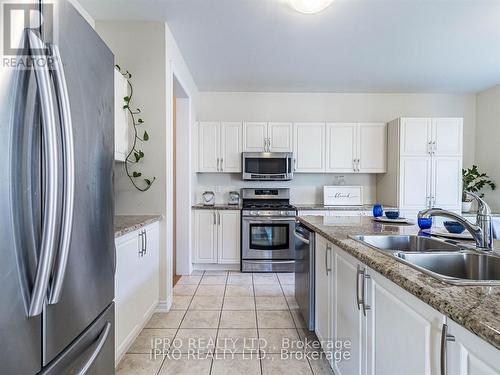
226,323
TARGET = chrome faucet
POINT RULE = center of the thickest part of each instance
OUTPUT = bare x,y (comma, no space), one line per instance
481,231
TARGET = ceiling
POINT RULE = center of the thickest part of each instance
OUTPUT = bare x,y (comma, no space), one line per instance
353,46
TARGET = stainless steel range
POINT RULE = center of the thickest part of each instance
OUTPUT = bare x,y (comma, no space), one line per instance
268,225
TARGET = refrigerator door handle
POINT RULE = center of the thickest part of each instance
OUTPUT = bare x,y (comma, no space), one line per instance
98,345
68,149
50,158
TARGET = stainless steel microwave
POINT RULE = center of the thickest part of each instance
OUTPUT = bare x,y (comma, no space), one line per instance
267,166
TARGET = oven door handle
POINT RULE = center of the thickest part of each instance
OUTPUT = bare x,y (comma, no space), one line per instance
270,221
301,238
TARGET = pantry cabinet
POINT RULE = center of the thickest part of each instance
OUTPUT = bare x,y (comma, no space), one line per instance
136,284
267,137
216,236
219,147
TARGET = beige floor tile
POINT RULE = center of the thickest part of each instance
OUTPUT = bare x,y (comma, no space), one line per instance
184,290
313,344
288,290
298,319
206,303
265,278
239,291
215,273
292,303
181,302
172,319
286,278
271,303
186,365
152,339
239,279
201,319
274,340
238,319
320,366
197,273
213,280
138,364
239,303
210,290
238,364
194,340
268,290
275,319
189,280
231,340
273,365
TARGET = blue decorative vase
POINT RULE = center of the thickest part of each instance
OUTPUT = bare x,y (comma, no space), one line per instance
425,222
378,211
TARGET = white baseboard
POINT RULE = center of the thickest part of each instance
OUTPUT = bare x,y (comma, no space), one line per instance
215,267
164,305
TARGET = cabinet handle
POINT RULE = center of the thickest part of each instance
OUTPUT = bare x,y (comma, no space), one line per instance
363,290
218,218
354,165
142,243
145,242
215,218
221,164
359,273
434,147
357,169
327,252
294,165
445,337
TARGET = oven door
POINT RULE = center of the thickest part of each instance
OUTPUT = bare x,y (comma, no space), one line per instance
268,238
267,166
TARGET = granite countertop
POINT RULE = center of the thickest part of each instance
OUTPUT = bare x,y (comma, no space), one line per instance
201,206
477,308
128,223
320,207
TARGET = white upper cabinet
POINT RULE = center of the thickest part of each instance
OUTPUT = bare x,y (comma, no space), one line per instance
309,147
372,148
280,136
230,147
341,147
447,136
416,134
208,147
254,136
219,147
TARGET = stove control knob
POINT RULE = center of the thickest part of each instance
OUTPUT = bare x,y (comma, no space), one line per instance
253,213
283,213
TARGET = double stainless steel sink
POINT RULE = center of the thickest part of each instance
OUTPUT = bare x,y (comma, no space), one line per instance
452,263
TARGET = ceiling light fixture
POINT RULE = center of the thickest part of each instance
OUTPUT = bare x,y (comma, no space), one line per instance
310,6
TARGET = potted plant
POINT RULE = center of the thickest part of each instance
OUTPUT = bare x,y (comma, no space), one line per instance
473,182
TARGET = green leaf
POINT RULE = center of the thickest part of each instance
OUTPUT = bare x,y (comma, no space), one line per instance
118,67
126,98
137,174
140,121
148,181
141,153
145,137
137,157
125,106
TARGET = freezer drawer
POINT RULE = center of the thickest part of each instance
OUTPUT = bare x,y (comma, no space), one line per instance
92,353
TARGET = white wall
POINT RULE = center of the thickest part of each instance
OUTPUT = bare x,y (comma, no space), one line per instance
487,140
231,106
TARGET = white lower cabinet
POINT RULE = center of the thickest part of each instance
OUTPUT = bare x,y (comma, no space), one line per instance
383,328
136,284
216,236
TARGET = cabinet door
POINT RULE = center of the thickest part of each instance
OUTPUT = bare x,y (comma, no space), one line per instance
151,270
323,263
205,241
230,147
229,236
348,319
403,332
469,354
415,136
341,143
447,135
447,182
309,147
254,135
280,136
127,290
208,147
415,183
372,148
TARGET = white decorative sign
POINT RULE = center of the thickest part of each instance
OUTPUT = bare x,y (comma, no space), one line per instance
343,195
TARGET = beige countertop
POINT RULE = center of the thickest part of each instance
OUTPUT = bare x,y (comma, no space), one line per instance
476,308
128,223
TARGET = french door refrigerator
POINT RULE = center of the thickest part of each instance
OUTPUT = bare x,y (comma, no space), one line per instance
56,195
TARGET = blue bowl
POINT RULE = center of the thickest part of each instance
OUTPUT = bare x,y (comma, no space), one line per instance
392,214
425,222
454,227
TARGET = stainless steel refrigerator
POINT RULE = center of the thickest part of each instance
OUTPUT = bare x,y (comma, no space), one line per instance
56,195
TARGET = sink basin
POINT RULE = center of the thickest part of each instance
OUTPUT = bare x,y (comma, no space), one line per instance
405,243
462,268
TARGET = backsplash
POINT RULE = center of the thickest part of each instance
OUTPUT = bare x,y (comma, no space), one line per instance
304,188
